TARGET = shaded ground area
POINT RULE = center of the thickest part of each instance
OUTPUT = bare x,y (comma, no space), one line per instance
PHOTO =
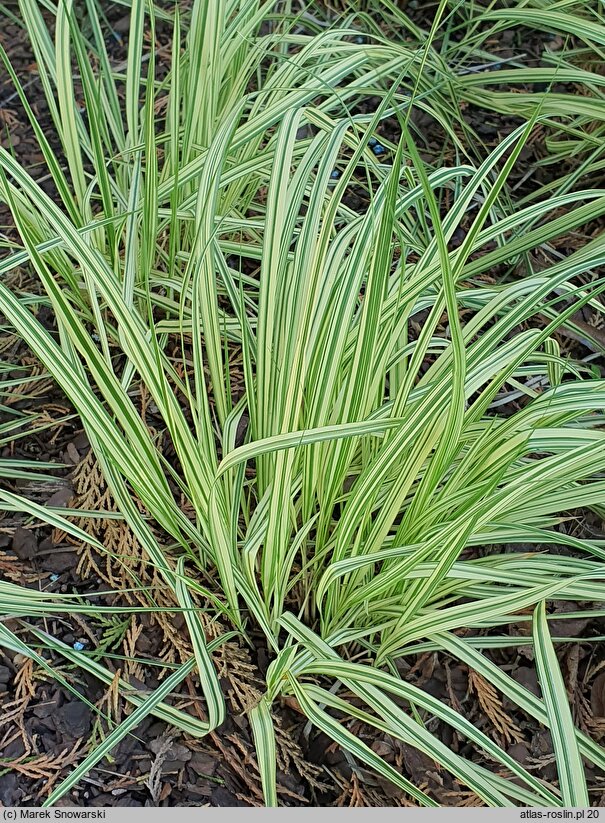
45,730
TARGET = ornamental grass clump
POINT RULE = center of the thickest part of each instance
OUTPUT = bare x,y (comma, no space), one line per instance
334,493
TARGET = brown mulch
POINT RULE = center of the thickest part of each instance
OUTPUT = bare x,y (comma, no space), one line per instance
45,730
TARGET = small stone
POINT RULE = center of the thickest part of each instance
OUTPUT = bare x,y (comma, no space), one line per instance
459,681
81,442
202,763
519,752
5,674
122,26
177,753
222,797
24,544
382,748
9,789
127,801
567,627
101,800
46,709
58,562
74,719
172,766
72,454
597,696
60,498
14,749
572,627
527,677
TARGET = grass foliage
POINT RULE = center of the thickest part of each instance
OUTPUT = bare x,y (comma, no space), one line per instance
372,354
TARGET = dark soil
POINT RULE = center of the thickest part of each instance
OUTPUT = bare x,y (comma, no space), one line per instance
45,730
